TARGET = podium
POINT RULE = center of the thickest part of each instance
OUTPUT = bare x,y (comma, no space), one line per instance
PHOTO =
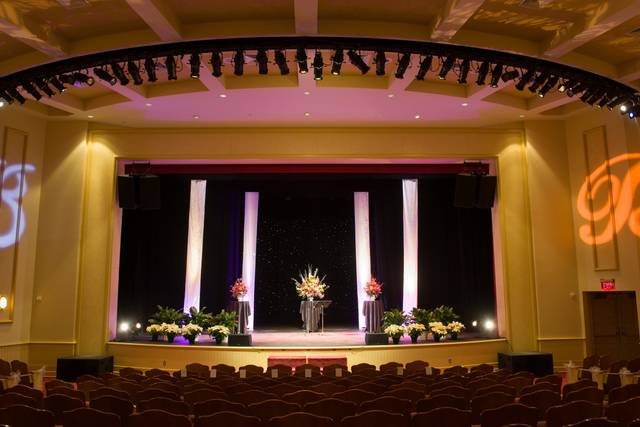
312,313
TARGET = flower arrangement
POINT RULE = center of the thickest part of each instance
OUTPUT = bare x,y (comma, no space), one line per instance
239,289
373,289
170,330
155,331
191,332
219,333
438,330
455,328
395,332
414,330
310,285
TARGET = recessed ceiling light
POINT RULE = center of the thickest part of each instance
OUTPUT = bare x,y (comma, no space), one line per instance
195,116
391,95
417,116
1,104
522,116
306,92
148,104
465,104
90,117
307,114
223,95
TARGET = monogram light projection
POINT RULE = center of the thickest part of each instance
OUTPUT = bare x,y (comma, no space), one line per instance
606,201
13,188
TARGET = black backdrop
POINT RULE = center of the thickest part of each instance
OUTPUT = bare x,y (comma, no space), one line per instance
303,220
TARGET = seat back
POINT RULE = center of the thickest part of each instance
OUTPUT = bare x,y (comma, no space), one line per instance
571,413
541,400
387,403
228,419
177,407
208,407
375,418
335,409
297,419
113,405
624,412
272,408
441,401
26,416
513,413
156,417
442,417
83,417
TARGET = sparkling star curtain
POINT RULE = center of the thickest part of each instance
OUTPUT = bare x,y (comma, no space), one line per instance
363,251
410,236
194,244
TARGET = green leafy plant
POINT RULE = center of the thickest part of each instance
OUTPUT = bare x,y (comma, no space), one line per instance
201,317
394,317
226,318
444,314
422,316
167,315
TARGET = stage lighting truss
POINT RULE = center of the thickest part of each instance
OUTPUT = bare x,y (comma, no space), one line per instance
469,65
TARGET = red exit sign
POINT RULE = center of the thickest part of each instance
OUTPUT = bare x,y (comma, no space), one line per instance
607,284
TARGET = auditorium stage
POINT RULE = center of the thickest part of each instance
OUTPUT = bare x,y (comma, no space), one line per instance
293,343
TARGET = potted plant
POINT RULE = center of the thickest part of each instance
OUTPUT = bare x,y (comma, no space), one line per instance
226,318
438,330
421,315
455,328
201,317
219,333
310,285
414,330
191,332
444,315
373,289
167,315
155,331
395,332
170,330
394,317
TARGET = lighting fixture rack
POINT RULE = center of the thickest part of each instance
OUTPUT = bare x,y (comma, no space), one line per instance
540,76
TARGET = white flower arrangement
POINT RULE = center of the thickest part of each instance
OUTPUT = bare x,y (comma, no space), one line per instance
219,332
416,329
455,327
154,329
437,328
170,329
394,330
191,330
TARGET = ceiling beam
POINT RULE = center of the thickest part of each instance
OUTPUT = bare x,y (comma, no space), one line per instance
65,102
159,17
610,14
453,16
16,25
306,16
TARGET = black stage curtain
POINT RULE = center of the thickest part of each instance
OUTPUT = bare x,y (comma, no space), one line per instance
306,222
222,244
385,239
455,252
153,249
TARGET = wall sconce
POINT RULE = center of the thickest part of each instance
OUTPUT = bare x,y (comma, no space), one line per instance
3,303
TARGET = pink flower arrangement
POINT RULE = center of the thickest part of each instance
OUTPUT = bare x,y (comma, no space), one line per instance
373,288
310,285
239,289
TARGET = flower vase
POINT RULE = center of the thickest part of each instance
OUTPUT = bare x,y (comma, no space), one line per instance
310,298
372,297
396,340
219,340
436,338
170,337
414,339
454,336
192,340
154,337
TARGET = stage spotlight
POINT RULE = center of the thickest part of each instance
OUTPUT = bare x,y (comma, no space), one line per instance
566,84
446,67
538,81
464,71
633,112
575,89
150,68
104,75
119,73
238,63
624,108
194,62
134,72
380,61
80,78
553,80
482,73
336,62
615,102
32,90
489,325
403,64
525,79
216,64
358,62
603,102
586,95
16,95
425,66
594,98
496,73
138,325
301,59
57,84
124,327
5,97
474,323
170,64
263,61
43,86
510,75
318,64
281,62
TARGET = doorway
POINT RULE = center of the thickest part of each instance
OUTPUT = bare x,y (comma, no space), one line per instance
612,324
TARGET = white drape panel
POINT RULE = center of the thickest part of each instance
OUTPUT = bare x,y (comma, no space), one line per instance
194,244
363,251
410,239
249,247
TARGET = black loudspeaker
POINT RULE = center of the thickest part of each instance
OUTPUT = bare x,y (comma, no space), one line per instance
376,339
240,340
139,192
466,190
71,367
486,191
539,364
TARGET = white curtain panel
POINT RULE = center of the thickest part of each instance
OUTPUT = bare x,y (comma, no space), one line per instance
249,247
410,239
363,251
194,244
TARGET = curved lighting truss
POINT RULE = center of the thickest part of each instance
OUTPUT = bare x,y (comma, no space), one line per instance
134,65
